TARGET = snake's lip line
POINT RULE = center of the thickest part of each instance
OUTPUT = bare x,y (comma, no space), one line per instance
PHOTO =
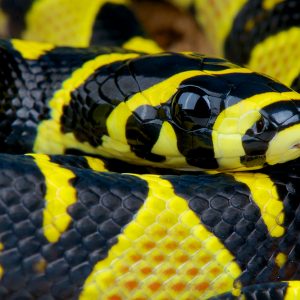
297,146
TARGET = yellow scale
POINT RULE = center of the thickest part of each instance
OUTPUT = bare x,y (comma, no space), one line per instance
157,252
160,263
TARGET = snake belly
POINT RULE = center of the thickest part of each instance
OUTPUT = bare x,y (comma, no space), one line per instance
70,230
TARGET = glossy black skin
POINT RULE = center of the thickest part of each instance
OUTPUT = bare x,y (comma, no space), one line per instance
193,123
27,86
219,93
98,216
275,117
107,202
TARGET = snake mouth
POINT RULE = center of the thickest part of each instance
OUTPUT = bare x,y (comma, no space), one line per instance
295,146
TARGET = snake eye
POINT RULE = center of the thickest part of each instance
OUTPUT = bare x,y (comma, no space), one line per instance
191,109
260,126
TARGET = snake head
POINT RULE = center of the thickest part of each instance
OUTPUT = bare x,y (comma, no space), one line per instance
236,121
185,111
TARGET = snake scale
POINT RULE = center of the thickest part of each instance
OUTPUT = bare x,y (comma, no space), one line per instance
148,174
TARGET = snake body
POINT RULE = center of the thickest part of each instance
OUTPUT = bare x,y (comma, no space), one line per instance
71,227
69,232
262,34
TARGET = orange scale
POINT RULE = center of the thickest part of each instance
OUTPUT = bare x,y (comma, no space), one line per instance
135,257
215,271
146,270
203,286
204,259
169,271
124,269
121,267
114,297
131,285
178,287
181,233
172,245
154,286
192,272
159,258
182,258
158,233
149,245
193,247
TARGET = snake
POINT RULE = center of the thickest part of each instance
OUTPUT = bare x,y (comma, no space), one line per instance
131,173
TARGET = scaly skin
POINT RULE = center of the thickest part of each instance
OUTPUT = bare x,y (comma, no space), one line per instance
114,103
261,34
68,232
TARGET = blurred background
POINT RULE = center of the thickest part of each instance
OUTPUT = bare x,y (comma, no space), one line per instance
173,28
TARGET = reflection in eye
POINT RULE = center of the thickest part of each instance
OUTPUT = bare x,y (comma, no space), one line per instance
260,126
191,109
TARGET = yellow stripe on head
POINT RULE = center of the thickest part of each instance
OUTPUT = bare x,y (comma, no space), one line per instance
49,138
232,124
166,143
165,252
284,146
154,96
231,70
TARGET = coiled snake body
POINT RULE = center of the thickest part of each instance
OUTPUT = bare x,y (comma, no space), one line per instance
69,229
